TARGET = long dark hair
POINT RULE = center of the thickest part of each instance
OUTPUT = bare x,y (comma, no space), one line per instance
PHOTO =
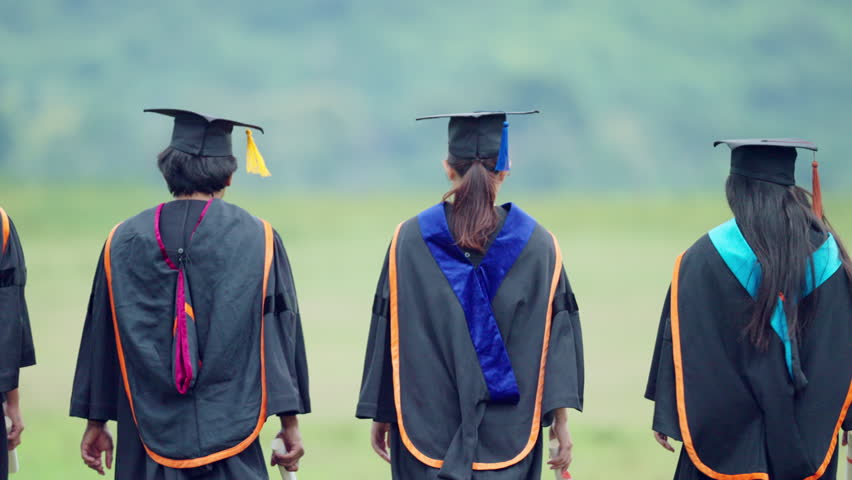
778,223
474,218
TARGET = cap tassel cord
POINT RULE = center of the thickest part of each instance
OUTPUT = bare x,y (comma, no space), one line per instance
503,163
817,189
254,160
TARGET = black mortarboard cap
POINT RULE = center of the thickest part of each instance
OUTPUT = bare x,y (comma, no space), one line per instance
480,135
207,136
771,160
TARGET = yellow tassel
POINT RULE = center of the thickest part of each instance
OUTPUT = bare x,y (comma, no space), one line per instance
254,160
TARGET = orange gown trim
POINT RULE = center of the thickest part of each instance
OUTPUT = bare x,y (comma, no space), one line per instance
236,449
681,402
535,427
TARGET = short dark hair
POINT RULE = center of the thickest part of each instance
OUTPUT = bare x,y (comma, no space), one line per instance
186,174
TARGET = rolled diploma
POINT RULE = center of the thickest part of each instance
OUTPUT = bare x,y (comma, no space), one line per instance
279,448
554,451
13,454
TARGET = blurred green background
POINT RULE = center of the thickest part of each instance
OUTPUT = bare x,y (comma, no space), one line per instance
631,93
619,164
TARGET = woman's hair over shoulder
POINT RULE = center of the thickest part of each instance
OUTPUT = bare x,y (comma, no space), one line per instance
779,223
186,174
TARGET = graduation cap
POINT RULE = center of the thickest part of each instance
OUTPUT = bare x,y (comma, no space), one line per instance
480,135
206,136
773,160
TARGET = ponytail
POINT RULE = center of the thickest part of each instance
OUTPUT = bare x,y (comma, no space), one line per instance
473,219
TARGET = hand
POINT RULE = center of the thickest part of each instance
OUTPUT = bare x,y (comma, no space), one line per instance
13,411
292,439
559,431
96,441
663,440
379,439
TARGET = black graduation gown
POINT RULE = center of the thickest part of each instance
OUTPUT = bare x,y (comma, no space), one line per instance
99,392
740,411
16,339
449,412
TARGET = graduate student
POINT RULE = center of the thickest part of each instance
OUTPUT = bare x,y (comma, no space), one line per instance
752,369
16,340
475,340
193,336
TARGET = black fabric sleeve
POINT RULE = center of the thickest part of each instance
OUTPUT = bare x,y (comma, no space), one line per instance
286,359
564,375
97,380
17,341
661,388
376,400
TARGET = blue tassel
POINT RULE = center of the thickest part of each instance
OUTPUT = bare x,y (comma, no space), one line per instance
503,158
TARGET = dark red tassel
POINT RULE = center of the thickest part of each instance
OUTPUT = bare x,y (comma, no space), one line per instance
817,190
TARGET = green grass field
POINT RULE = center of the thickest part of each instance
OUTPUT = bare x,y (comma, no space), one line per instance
618,251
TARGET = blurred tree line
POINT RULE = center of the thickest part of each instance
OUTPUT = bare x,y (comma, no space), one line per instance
632,93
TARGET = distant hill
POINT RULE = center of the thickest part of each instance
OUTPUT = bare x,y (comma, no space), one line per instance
632,93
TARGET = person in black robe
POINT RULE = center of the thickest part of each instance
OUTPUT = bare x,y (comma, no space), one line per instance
475,340
193,335
16,339
752,368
